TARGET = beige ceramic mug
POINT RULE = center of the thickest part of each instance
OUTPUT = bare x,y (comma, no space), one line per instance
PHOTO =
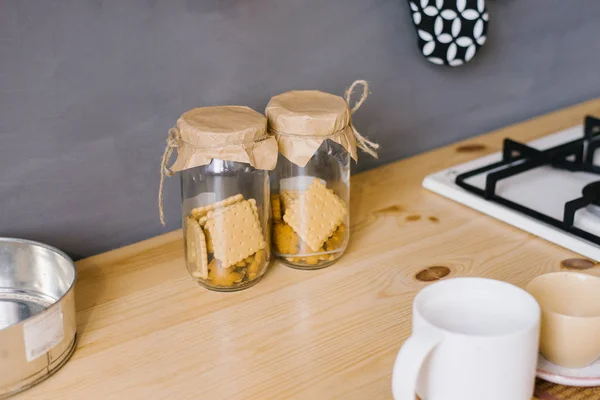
570,303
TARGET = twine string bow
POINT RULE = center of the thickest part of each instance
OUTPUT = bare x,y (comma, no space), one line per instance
363,143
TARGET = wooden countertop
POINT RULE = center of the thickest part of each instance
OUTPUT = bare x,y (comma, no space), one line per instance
147,331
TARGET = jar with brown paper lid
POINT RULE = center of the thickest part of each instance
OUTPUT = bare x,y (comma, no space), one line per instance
224,155
310,187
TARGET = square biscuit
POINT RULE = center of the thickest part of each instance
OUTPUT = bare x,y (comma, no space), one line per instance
200,212
316,214
196,248
235,232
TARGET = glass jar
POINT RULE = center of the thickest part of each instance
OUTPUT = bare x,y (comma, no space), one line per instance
226,224
310,187
310,204
223,156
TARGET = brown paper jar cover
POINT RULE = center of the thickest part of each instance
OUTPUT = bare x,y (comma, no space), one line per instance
232,133
301,120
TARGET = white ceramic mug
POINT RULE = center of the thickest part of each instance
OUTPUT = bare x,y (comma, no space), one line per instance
473,339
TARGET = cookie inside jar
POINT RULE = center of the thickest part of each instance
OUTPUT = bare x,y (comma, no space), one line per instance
309,223
225,245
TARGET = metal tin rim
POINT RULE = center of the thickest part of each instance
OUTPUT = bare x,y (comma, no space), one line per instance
53,249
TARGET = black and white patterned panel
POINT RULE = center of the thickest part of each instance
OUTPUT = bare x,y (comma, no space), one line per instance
450,31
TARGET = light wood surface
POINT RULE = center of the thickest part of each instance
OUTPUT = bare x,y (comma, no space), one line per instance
147,331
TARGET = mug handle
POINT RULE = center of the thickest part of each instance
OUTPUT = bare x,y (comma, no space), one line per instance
409,361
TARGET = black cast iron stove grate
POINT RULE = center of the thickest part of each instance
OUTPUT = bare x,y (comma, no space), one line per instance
577,155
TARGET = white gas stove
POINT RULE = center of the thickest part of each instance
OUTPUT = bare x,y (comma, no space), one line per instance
549,187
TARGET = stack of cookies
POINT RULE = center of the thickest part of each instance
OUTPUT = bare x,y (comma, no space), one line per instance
309,225
225,242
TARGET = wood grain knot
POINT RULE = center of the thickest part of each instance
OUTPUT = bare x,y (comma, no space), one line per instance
432,273
434,219
470,148
391,210
412,218
577,263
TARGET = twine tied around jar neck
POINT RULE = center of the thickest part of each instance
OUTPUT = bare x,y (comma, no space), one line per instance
174,141
363,96
363,143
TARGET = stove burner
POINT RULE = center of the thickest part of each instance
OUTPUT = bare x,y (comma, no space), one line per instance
591,192
577,155
590,199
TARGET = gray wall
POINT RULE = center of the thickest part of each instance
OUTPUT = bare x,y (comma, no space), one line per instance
89,88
